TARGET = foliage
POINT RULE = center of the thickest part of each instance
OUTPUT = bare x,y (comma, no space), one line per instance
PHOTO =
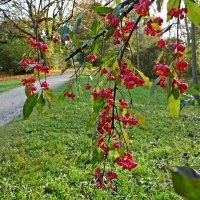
10,54
114,114
39,157
186,182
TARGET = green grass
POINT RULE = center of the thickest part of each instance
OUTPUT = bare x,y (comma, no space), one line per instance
7,85
38,156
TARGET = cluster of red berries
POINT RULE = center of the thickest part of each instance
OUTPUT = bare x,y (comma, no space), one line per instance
70,95
28,81
125,30
181,65
126,162
130,79
181,85
161,70
41,68
32,89
112,20
26,62
34,44
44,85
142,8
101,183
175,13
104,93
179,49
128,27
153,26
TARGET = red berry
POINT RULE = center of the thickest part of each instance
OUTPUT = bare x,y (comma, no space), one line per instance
88,86
161,43
180,47
179,54
104,71
55,39
40,20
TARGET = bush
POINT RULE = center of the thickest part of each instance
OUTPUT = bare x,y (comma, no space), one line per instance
11,53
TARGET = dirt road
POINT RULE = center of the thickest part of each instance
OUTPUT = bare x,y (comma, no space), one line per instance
11,102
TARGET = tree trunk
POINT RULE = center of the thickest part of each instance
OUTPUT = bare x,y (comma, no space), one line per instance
194,58
187,30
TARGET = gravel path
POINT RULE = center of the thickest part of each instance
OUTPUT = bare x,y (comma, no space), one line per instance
11,102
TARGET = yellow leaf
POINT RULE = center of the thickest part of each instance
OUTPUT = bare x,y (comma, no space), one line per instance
155,26
141,120
124,112
145,78
115,68
116,155
126,138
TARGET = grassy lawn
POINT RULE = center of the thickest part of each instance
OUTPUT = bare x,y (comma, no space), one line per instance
38,157
8,82
7,85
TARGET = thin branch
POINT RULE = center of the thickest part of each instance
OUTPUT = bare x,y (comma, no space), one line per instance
70,17
16,25
102,32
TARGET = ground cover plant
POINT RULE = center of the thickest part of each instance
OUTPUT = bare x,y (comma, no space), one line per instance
41,158
7,85
115,112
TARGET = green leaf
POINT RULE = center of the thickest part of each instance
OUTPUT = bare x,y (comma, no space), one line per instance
66,31
193,12
40,104
78,21
72,36
49,95
88,65
172,4
117,1
95,156
98,106
94,27
26,90
186,182
174,103
102,10
95,46
145,79
91,122
108,62
153,87
29,104
117,10
95,6
110,32
129,63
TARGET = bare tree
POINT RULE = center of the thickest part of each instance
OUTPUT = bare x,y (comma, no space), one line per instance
24,15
